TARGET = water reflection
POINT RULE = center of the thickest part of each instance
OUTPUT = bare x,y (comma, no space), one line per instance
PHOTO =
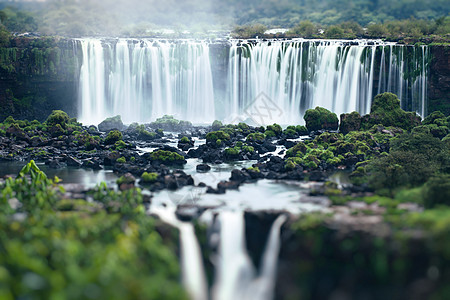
86,177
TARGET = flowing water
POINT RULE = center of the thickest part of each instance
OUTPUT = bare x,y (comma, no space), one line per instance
261,81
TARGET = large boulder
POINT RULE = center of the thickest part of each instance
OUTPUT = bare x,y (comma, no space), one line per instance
350,122
320,118
114,123
385,110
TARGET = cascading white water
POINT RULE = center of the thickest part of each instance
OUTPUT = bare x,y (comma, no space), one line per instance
236,277
193,275
338,75
142,80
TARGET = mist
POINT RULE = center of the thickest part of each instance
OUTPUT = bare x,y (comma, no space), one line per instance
135,17
150,17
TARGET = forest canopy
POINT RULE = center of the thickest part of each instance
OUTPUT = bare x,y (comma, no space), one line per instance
84,17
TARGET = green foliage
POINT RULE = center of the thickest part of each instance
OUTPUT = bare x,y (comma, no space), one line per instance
437,191
217,135
350,122
301,130
248,31
255,137
58,117
170,121
89,141
166,156
385,110
270,134
149,177
305,29
121,160
254,169
120,145
232,151
113,137
18,21
275,128
34,193
297,151
412,161
184,140
216,125
320,118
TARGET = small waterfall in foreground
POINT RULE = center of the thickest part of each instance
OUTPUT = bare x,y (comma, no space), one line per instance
236,277
193,273
142,80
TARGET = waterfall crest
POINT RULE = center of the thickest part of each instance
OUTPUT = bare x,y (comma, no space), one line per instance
142,80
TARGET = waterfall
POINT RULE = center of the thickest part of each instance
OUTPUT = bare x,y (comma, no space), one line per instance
236,277
144,80
267,81
193,274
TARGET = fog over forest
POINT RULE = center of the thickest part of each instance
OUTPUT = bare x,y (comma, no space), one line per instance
86,17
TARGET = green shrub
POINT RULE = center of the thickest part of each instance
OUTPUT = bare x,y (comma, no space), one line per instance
437,191
255,137
320,118
217,135
216,125
121,160
58,117
149,177
166,156
385,110
113,137
270,134
184,140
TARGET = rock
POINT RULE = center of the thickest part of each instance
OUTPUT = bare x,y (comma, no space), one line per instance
187,213
228,185
92,164
126,182
203,168
37,141
15,131
320,118
350,122
114,123
170,182
385,110
73,162
56,164
238,175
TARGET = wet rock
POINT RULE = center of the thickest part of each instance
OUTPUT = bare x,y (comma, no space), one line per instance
228,185
170,182
203,168
56,164
317,176
350,122
36,141
126,182
114,123
187,213
239,176
211,190
73,162
92,164
15,131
